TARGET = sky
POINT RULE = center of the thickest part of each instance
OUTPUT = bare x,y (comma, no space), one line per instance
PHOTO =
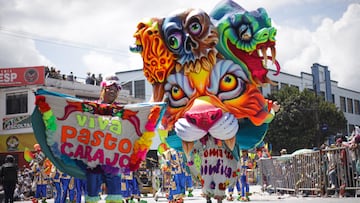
94,36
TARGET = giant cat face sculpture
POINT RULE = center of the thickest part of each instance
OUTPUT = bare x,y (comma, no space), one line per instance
214,107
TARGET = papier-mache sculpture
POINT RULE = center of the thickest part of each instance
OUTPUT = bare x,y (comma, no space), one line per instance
208,70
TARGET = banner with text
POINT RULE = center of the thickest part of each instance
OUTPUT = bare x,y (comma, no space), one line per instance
114,136
22,76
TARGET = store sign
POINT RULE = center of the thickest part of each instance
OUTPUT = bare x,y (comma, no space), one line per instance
17,122
22,76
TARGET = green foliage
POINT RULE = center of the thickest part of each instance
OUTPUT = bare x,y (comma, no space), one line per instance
298,123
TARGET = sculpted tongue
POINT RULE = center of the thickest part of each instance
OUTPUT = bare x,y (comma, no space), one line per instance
273,54
187,146
230,143
158,92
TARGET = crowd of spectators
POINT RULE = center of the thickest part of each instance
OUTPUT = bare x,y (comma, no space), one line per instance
56,74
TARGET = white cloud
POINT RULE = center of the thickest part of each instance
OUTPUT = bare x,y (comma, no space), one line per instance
333,44
17,52
99,63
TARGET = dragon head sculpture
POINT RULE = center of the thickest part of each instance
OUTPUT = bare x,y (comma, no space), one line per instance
245,37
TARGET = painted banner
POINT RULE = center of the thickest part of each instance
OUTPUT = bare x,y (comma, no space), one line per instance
22,76
215,165
17,122
114,136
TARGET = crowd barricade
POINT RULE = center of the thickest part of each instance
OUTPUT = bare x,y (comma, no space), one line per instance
277,173
312,172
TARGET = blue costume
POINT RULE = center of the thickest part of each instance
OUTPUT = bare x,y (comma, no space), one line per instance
174,162
41,180
67,184
55,175
80,186
243,179
129,186
95,177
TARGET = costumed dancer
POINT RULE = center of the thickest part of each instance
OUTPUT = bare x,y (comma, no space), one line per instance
80,186
188,178
41,181
110,89
177,187
55,176
67,184
245,191
129,187
231,191
39,170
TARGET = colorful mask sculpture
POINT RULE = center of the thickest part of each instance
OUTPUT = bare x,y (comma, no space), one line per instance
214,106
243,36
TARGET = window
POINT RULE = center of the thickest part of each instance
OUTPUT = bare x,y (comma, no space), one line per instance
350,105
342,104
140,89
351,128
283,85
295,86
127,86
274,88
16,103
356,106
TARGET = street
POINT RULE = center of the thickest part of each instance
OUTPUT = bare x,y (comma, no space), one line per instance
257,196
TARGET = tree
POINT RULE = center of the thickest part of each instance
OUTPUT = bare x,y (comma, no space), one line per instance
298,124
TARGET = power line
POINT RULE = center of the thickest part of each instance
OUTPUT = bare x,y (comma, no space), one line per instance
32,36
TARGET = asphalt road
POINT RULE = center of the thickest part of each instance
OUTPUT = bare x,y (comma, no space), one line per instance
258,196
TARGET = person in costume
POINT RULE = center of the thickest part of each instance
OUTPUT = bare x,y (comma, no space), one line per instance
41,181
129,187
40,168
245,190
68,187
55,176
177,185
188,178
110,89
80,187
231,191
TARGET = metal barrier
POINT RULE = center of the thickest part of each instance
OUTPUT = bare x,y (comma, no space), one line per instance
324,172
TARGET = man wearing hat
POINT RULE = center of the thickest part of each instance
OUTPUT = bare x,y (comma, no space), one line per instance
110,89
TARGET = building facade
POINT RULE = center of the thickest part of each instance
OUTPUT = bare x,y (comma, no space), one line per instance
319,80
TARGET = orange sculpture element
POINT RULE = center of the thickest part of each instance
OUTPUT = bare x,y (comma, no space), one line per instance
157,59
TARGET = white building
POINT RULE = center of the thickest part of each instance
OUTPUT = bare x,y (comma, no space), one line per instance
346,100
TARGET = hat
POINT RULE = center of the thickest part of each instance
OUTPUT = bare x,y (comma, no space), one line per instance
9,158
37,147
339,140
283,151
111,80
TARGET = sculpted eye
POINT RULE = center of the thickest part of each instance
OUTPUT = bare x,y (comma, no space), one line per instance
228,83
195,28
175,40
177,93
245,32
153,63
